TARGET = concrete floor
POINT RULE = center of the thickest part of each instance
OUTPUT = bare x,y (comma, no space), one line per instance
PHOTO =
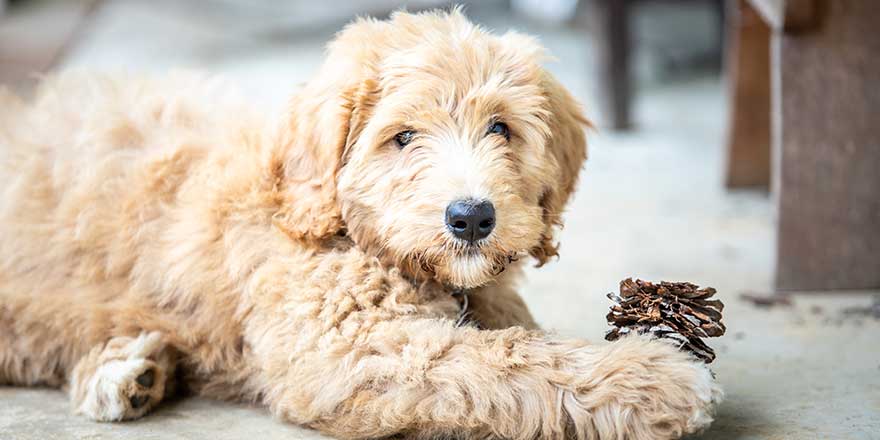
651,205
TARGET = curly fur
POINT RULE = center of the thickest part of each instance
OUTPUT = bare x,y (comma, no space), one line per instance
158,224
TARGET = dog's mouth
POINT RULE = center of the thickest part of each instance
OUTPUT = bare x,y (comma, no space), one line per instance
470,250
463,266
490,249
474,265
500,260
470,272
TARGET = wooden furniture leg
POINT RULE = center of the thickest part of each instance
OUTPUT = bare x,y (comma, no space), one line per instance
748,69
610,25
827,175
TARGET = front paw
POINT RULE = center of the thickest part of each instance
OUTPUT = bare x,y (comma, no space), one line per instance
641,388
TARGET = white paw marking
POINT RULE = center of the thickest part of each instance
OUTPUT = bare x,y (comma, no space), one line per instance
123,389
107,398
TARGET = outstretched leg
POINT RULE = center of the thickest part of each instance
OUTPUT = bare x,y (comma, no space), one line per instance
122,379
421,377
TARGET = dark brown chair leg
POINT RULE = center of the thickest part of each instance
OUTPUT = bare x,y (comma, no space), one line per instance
748,77
610,25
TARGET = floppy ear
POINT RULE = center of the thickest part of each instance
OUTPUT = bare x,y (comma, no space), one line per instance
325,119
568,149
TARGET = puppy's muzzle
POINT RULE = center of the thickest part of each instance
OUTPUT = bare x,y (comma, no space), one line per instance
470,220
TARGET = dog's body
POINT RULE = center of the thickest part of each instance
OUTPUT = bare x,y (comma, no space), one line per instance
153,234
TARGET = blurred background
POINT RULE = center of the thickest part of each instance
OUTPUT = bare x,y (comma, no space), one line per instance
737,147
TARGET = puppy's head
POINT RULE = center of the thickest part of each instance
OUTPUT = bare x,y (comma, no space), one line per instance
444,150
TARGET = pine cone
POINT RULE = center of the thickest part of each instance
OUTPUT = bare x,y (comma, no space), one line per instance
678,311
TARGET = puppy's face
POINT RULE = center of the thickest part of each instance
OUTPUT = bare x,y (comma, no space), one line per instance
451,167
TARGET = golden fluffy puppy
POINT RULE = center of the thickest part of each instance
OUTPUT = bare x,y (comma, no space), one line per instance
155,233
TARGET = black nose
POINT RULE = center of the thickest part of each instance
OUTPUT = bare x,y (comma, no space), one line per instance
470,220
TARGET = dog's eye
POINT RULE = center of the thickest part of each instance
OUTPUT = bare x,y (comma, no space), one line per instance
404,137
500,129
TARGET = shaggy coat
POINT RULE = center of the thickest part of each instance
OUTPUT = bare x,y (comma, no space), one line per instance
155,233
